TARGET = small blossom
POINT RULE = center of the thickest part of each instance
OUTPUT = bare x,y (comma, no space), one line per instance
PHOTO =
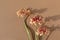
36,20
23,12
41,31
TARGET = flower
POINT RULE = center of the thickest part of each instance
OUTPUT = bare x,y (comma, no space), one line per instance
36,20
41,31
23,12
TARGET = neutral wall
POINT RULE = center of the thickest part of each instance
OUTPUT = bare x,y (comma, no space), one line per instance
11,27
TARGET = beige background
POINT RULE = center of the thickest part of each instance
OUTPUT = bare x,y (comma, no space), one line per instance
11,27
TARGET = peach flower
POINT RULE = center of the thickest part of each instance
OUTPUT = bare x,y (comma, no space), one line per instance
23,12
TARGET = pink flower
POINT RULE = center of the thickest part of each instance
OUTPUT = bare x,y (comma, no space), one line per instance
36,20
23,12
41,31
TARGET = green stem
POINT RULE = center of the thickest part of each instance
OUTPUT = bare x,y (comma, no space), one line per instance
27,30
36,37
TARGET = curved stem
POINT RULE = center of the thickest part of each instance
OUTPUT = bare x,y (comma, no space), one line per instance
27,29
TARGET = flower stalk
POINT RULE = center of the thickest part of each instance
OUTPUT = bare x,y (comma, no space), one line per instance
27,30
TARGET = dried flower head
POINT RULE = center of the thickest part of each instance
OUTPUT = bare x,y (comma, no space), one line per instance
23,12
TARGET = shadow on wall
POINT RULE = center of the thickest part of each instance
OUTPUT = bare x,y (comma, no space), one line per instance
33,11
54,18
52,29
47,19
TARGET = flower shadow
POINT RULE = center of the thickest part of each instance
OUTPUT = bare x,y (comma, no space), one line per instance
54,18
52,29
33,11
39,10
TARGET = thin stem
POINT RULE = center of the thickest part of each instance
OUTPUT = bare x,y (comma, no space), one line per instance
36,36
27,29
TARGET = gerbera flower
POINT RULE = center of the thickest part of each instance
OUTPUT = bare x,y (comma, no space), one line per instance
23,12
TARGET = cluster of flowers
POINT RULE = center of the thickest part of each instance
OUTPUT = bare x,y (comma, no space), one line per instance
39,20
35,20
